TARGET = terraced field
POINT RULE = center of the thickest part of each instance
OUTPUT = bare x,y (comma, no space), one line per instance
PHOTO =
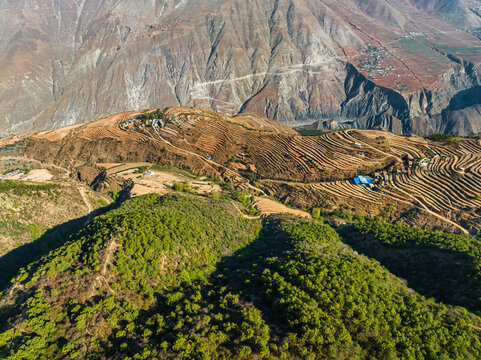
440,180
449,188
278,153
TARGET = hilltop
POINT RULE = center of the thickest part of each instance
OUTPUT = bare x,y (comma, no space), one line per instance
430,182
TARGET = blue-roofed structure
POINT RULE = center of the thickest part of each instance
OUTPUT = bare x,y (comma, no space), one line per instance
357,181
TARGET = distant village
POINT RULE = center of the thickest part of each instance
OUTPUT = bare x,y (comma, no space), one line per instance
372,63
474,5
141,123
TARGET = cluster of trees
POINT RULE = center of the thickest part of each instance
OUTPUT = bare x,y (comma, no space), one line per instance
141,169
410,237
20,188
442,137
338,304
247,200
122,260
450,138
320,301
185,277
307,132
181,187
299,292
157,114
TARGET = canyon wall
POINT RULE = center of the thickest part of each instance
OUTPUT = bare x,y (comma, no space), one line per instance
346,62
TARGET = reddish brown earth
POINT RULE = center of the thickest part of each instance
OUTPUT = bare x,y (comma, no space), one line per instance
378,62
270,159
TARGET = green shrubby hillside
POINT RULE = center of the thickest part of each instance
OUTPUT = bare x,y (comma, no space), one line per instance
79,294
182,277
299,292
441,265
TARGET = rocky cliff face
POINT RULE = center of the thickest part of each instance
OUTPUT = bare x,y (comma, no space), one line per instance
454,12
358,62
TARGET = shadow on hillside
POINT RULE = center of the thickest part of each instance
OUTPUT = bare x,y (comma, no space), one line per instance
52,239
446,276
465,98
239,274
14,260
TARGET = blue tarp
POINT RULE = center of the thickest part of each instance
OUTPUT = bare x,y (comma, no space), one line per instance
361,179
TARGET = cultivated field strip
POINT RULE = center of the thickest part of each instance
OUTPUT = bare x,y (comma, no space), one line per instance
443,186
345,189
449,185
278,155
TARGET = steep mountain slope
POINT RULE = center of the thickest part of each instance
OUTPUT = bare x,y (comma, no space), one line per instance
454,12
290,60
38,214
183,277
28,210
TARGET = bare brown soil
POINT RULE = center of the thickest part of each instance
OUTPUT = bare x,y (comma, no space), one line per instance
268,206
160,182
38,175
305,171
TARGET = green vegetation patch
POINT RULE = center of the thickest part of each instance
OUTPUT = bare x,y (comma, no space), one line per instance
441,265
307,132
416,47
144,247
141,169
20,188
298,292
459,50
181,277
450,138
156,114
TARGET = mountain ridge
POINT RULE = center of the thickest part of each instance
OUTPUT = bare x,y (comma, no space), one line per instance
125,287
93,59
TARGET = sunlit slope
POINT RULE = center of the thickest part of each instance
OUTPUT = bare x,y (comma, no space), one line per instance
189,277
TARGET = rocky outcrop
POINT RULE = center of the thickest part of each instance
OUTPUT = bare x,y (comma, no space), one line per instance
452,108
290,60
